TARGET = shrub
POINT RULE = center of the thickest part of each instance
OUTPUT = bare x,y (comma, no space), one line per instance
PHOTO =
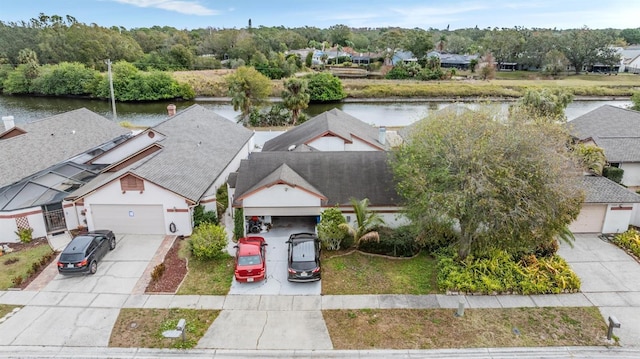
208,241
222,201
25,234
277,115
613,173
158,271
17,280
238,224
497,272
325,87
200,216
629,240
396,242
329,231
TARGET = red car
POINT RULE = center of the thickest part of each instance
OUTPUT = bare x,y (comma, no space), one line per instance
251,263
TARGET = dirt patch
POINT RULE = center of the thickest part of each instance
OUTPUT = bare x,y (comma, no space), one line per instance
478,328
142,328
175,269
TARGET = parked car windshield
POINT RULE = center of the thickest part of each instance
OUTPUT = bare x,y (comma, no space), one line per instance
303,251
249,260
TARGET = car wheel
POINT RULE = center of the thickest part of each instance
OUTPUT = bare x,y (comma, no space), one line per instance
93,267
112,243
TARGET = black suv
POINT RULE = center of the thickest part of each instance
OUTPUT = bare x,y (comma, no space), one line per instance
304,257
84,251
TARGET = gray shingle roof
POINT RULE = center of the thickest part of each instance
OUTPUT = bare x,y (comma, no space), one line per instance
335,122
337,175
53,140
603,190
606,121
620,149
615,129
199,145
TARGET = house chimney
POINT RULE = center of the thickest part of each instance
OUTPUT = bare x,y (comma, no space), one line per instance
382,135
8,122
171,109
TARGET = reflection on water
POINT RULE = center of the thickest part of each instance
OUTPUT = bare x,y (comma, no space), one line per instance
391,114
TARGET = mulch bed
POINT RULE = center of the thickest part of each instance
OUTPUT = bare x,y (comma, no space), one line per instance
174,272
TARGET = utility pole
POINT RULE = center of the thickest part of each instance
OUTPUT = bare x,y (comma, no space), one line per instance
113,98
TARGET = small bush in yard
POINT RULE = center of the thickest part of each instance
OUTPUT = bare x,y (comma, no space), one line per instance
208,241
158,271
329,231
629,240
25,234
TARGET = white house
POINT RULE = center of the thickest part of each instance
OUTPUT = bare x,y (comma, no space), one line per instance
156,178
278,185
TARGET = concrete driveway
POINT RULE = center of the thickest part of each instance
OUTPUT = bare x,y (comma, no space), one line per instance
276,282
610,280
81,310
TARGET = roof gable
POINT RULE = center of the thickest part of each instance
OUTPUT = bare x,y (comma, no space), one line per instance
600,189
283,175
334,122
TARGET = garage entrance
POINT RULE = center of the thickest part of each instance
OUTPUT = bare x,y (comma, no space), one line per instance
133,219
590,219
299,223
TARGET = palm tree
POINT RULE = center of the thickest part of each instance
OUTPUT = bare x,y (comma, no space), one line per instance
366,222
295,97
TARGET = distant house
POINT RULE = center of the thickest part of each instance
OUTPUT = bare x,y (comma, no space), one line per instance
455,61
43,162
332,130
617,131
631,59
403,57
153,181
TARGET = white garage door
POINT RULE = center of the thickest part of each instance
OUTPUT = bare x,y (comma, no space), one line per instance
590,219
134,219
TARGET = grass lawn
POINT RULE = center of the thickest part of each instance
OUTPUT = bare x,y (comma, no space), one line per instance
357,273
212,277
143,328
439,328
5,308
20,263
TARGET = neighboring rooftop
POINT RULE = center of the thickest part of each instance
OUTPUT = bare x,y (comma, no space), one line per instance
606,121
600,189
335,122
53,140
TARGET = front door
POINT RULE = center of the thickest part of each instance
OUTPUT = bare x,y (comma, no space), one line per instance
54,217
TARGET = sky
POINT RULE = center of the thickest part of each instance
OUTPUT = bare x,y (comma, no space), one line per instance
425,14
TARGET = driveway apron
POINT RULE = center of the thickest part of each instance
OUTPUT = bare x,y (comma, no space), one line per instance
81,310
610,280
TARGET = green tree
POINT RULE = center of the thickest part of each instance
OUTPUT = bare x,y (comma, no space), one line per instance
339,34
509,183
367,221
419,42
324,87
247,88
555,62
631,36
295,97
504,44
584,47
329,230
543,104
66,78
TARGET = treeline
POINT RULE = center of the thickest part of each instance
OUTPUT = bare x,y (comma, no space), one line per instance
56,39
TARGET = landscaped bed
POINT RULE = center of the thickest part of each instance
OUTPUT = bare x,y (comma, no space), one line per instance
439,328
20,267
143,328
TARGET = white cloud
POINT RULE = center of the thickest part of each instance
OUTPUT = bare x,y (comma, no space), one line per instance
183,7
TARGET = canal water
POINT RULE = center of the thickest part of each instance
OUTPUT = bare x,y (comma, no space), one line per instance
390,114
